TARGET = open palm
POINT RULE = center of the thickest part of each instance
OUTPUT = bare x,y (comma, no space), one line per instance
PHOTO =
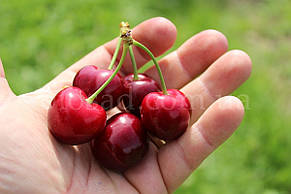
32,161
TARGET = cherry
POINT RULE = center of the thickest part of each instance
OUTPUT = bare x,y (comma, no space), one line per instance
123,143
166,116
90,78
72,120
136,90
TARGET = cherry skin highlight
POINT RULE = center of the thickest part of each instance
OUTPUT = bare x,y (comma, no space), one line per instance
90,78
123,143
72,120
166,116
136,90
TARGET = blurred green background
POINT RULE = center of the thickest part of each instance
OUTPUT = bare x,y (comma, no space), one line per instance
39,39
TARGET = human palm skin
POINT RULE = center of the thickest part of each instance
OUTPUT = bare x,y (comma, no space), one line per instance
32,161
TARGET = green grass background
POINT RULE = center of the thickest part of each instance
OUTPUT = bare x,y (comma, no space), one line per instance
39,39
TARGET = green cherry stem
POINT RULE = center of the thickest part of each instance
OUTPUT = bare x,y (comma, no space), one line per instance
145,67
93,96
164,88
110,67
135,75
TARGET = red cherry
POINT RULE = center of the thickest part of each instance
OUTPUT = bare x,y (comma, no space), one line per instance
166,116
123,143
90,78
72,120
136,90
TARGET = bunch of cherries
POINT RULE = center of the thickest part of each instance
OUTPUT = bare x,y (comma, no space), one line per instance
77,114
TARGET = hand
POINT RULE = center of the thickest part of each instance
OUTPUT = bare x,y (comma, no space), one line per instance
32,161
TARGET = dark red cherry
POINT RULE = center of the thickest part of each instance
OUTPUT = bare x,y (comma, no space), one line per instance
72,120
90,78
123,143
136,90
166,116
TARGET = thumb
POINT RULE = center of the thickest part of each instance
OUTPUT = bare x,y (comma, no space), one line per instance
5,90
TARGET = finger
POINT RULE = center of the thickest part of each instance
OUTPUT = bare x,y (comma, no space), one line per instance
211,130
158,34
220,79
191,59
146,176
2,73
5,90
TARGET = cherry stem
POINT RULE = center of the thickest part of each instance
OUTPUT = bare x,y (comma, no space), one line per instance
111,65
164,88
135,75
145,67
93,96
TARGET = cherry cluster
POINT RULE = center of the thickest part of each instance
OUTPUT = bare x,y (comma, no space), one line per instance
77,114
